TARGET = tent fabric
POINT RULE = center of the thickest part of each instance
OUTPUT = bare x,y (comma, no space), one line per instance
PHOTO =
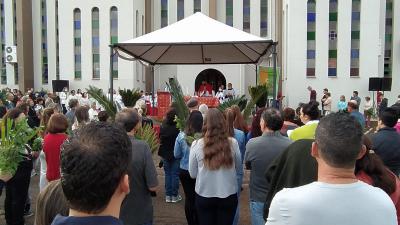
197,39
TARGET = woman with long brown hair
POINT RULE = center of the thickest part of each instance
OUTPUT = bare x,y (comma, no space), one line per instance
239,122
215,162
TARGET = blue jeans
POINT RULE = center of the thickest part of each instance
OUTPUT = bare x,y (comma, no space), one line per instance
171,169
256,211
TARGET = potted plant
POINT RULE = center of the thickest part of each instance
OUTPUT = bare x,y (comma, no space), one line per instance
14,137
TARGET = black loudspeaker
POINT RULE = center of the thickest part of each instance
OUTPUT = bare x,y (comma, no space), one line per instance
375,84
386,84
59,85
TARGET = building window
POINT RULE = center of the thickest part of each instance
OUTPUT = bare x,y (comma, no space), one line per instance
197,6
355,39
16,75
332,37
57,46
114,38
388,39
77,44
311,46
164,13
264,18
95,43
3,71
181,10
45,68
229,12
246,15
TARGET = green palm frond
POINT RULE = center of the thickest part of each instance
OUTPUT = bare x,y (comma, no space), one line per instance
129,97
147,134
239,101
102,99
259,94
182,111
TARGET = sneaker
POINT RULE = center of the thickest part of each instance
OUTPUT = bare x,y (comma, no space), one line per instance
176,199
168,199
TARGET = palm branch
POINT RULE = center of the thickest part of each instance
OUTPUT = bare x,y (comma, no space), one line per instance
239,101
182,111
259,94
129,97
102,99
147,134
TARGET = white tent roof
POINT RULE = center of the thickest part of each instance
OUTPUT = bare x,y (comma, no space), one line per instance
197,39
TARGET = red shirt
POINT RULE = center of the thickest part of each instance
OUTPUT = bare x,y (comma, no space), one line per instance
52,149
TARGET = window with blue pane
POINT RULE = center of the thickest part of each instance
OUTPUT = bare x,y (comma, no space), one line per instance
45,77
311,45
164,13
196,6
114,38
355,38
229,12
180,13
264,18
332,38
3,73
246,16
77,44
95,43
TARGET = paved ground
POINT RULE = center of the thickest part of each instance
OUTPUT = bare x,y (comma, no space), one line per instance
164,213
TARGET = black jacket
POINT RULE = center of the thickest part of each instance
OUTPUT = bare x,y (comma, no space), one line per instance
168,134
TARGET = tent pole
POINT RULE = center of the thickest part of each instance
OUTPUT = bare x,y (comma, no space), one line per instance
152,96
111,91
256,74
274,58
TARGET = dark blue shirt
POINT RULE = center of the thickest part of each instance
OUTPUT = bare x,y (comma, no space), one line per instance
386,144
90,220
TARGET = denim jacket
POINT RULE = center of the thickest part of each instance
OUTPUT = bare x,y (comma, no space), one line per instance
182,150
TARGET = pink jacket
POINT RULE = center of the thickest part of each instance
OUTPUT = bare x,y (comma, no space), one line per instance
397,127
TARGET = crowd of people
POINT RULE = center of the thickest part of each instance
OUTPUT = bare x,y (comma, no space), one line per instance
306,166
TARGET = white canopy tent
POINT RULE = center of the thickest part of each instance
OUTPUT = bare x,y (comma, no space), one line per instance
197,39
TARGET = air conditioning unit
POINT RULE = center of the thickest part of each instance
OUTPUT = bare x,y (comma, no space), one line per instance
11,54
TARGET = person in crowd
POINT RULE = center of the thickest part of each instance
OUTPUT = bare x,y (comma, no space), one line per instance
17,187
84,100
309,115
39,104
64,99
50,203
371,170
203,108
230,92
337,197
73,104
352,108
386,142
79,93
72,95
103,116
288,116
81,117
239,122
327,104
183,142
168,134
3,111
261,151
49,100
313,94
255,125
240,137
215,163
324,98
297,119
141,108
232,131
383,105
58,125
220,94
368,111
10,101
356,98
33,119
137,207
192,104
94,191
45,118
93,112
